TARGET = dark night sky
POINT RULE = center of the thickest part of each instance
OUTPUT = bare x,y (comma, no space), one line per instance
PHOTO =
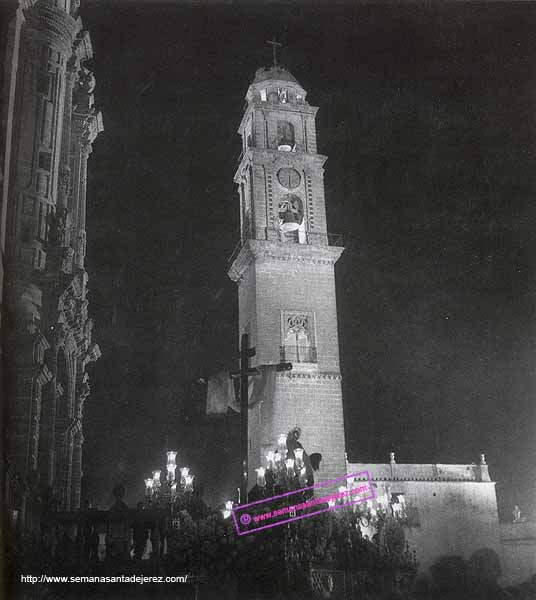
427,116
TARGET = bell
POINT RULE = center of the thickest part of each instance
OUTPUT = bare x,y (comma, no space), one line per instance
290,221
285,144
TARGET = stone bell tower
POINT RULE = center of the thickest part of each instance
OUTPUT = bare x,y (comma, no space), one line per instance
284,269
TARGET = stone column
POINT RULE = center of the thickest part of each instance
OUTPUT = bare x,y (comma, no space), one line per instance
48,36
86,127
76,477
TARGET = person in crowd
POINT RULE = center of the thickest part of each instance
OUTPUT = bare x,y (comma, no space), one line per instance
140,532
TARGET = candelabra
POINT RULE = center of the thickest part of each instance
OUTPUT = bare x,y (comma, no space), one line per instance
285,469
172,489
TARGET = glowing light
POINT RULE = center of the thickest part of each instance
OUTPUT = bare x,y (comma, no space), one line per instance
261,481
270,458
290,466
189,483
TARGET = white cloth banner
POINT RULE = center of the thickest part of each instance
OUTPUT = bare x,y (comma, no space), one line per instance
221,393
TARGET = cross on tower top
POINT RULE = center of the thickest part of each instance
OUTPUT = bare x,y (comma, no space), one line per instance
275,44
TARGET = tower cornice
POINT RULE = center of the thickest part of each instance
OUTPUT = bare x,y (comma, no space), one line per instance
260,251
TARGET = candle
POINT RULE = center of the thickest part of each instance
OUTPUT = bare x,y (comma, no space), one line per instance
156,479
298,453
270,459
278,461
184,474
189,483
303,476
171,472
282,444
149,485
261,481
290,467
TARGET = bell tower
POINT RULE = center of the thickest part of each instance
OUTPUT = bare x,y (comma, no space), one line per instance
284,268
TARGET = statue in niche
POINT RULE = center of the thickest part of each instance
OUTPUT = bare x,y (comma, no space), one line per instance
75,6
57,227
83,91
67,260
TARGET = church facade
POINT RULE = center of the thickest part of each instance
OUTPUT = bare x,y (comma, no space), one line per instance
49,123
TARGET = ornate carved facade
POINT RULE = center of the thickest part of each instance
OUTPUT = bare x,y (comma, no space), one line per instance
48,127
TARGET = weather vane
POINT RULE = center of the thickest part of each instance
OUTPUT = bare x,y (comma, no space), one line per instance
275,44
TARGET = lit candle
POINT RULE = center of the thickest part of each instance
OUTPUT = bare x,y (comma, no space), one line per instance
189,483
261,481
298,453
171,472
149,485
282,444
270,459
184,474
278,461
228,509
290,467
156,479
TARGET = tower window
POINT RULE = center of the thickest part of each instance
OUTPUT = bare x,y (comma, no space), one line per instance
298,337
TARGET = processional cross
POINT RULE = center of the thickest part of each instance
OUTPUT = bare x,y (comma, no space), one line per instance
244,374
275,44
